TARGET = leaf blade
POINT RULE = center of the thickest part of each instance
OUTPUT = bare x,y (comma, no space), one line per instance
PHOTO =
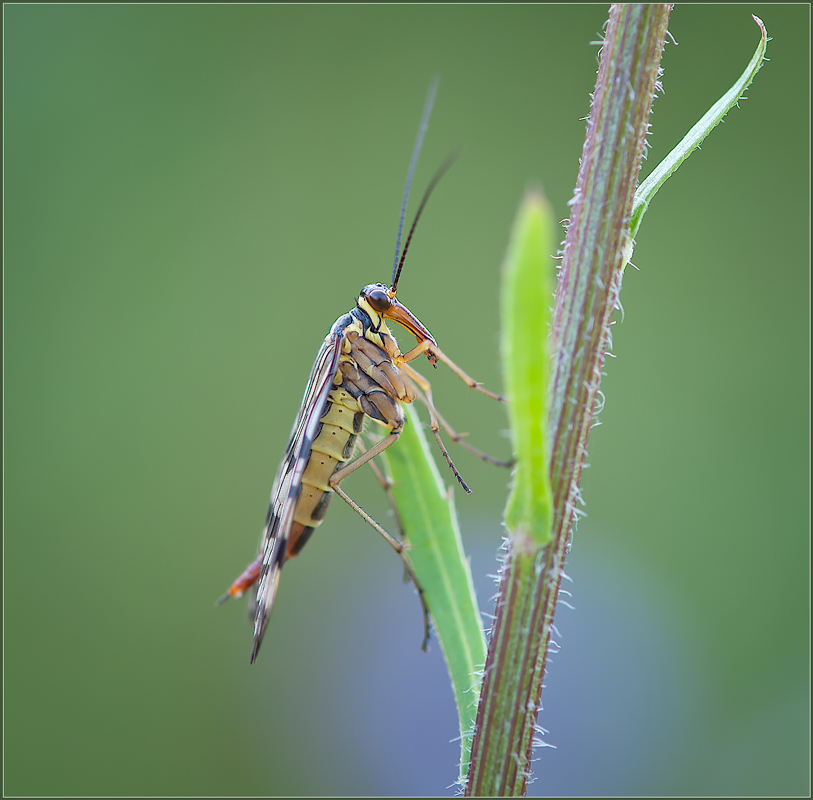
430,523
699,131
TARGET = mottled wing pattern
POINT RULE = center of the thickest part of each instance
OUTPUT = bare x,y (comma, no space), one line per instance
288,482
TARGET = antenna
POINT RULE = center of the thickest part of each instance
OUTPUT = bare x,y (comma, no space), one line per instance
427,110
450,159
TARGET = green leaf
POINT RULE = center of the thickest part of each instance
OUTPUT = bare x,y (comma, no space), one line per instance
436,551
646,191
527,295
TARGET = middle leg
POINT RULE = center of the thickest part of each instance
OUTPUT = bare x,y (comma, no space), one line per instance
424,395
399,547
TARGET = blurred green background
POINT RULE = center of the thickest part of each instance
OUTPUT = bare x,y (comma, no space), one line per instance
193,194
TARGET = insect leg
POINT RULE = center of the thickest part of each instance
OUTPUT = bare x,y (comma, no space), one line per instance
425,397
386,485
401,550
432,349
399,547
434,424
367,455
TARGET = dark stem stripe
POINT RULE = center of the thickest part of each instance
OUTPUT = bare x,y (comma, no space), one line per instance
508,687
490,744
501,680
501,668
519,765
541,610
518,707
484,732
547,592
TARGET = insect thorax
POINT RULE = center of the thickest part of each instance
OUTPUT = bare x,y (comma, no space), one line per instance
366,384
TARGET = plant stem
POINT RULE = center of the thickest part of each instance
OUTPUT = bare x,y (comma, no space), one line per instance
589,283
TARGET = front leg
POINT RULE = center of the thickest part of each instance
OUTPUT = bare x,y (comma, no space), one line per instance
435,354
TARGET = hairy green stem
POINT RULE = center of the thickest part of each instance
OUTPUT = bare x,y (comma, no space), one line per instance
586,295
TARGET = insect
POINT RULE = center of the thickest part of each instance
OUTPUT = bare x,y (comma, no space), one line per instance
359,373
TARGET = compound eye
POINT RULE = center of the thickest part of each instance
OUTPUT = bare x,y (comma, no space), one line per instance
379,299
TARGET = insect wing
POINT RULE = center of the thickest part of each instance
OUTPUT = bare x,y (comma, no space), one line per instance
288,482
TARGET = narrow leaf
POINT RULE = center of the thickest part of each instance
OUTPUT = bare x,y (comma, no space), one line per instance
436,551
692,140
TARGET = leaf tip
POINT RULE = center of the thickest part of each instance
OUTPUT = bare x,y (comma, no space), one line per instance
762,28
